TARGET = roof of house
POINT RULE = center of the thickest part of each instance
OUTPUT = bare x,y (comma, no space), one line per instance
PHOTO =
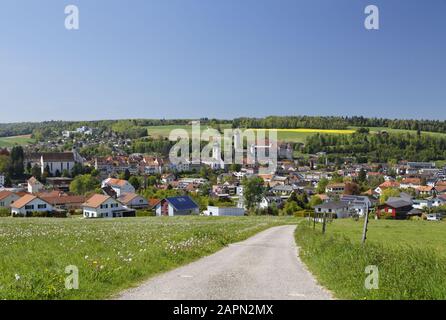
96,200
63,199
411,181
398,203
389,184
58,156
182,203
5,194
333,205
23,201
127,197
33,180
153,202
116,182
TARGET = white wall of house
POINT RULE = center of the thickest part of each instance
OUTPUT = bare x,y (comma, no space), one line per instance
57,166
6,202
230,211
36,205
138,202
105,210
35,188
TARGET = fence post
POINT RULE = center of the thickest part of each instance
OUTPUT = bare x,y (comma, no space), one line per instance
324,222
366,222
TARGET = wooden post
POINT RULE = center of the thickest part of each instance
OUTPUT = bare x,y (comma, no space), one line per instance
314,221
324,222
366,222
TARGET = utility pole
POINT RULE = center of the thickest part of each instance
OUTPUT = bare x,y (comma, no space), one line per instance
366,222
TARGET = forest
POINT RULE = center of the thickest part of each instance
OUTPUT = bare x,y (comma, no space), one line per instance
381,147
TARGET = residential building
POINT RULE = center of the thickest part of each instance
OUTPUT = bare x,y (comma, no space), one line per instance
103,206
176,206
268,201
333,209
118,185
7,198
359,204
335,188
133,201
28,204
34,186
63,201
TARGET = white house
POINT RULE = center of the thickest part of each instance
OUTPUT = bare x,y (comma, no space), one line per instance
7,198
102,206
268,201
34,186
28,204
133,200
173,206
220,211
119,186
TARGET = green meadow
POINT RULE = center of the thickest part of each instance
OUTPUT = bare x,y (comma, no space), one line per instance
410,257
17,140
111,255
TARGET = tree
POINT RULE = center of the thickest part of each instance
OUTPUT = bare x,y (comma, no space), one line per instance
83,184
388,193
17,168
252,191
291,207
351,188
204,189
362,176
323,183
5,163
126,174
134,181
315,201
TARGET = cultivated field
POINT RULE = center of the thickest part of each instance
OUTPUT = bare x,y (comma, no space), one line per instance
410,256
19,140
111,255
285,135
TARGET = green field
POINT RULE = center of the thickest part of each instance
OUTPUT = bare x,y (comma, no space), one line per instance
410,256
17,140
111,255
285,135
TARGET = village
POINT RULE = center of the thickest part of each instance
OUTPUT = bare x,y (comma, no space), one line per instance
64,184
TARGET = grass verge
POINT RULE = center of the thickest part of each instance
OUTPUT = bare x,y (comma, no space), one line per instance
406,272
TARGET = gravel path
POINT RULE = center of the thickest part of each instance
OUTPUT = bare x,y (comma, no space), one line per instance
263,267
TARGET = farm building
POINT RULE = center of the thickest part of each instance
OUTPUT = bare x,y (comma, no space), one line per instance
176,206
224,211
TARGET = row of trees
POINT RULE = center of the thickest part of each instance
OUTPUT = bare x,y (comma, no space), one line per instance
379,147
317,122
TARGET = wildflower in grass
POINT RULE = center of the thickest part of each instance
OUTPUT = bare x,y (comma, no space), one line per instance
17,277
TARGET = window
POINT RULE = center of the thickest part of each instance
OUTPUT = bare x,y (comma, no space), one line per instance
2,204
41,206
30,207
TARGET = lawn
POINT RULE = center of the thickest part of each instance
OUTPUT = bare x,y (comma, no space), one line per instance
17,140
410,256
111,255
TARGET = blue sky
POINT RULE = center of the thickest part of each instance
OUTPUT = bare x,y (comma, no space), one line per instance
221,58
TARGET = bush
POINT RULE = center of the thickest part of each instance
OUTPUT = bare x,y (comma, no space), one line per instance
5,212
145,213
45,214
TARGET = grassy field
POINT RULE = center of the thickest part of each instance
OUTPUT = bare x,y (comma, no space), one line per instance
111,255
286,135
410,256
19,140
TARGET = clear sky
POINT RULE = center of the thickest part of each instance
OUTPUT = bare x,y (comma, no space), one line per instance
221,58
